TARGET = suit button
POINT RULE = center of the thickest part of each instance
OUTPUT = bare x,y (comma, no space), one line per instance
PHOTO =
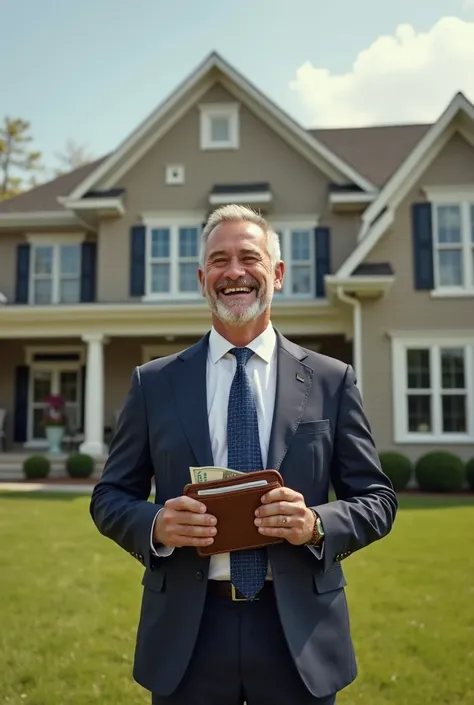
199,575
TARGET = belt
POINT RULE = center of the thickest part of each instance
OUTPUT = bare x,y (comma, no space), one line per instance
224,588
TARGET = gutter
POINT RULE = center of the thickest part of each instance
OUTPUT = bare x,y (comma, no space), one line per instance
357,324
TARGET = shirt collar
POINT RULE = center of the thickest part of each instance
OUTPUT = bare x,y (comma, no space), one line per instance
263,345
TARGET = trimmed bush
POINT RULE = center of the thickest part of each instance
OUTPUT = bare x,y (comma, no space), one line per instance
440,471
80,465
470,473
36,467
398,468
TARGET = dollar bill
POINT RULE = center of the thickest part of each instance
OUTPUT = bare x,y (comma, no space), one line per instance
211,473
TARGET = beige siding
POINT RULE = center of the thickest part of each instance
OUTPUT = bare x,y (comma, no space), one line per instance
8,245
406,309
298,188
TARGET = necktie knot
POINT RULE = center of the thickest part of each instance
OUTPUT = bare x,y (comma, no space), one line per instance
242,355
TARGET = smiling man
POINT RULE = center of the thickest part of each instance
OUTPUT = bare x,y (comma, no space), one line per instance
267,626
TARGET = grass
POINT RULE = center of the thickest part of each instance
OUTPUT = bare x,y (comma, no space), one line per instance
70,600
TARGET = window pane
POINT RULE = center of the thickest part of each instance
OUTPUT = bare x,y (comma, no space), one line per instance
38,428
73,419
69,291
452,369
68,386
41,385
43,260
419,413
450,267
188,242
454,413
301,280
472,223
418,369
188,280
220,129
42,291
300,245
449,224
69,260
160,278
160,242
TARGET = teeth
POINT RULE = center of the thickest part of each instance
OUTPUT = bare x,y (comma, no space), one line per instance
243,289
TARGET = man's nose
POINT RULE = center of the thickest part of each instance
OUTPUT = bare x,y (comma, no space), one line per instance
235,269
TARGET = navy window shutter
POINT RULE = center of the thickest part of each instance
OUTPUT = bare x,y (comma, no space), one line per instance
20,416
137,260
323,258
22,274
88,271
83,399
422,234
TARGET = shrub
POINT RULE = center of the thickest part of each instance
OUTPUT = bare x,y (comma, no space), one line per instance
36,467
440,471
80,465
470,473
398,468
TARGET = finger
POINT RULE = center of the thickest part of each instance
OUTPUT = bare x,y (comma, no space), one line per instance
185,504
282,494
193,519
277,531
278,520
196,531
181,541
278,508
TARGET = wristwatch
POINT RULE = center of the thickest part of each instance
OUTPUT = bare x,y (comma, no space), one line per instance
318,531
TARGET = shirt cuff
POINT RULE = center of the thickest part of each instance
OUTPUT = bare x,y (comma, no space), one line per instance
159,550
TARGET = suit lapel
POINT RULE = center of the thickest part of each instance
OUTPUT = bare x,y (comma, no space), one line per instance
189,382
294,380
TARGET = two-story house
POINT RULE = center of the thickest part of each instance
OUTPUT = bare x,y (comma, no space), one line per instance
98,267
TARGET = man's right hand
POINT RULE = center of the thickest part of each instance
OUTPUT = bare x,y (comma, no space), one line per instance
184,522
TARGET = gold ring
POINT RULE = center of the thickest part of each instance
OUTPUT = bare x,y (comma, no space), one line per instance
284,520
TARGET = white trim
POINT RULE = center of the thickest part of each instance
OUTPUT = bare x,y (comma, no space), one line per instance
185,96
338,198
184,217
55,238
449,194
114,205
358,361
208,111
465,246
367,244
361,285
433,341
286,228
452,294
216,199
39,218
32,350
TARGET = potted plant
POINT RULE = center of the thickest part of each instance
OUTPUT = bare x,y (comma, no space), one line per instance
54,422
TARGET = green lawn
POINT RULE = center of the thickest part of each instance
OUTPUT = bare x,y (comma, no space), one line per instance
70,599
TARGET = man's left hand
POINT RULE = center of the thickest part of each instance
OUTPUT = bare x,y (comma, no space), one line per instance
284,514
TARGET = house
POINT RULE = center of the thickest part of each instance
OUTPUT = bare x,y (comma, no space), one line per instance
98,267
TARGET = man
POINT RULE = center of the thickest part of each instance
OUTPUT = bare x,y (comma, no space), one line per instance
270,626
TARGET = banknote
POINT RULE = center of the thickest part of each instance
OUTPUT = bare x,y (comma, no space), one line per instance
212,472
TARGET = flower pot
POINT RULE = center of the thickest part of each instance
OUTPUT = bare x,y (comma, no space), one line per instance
55,435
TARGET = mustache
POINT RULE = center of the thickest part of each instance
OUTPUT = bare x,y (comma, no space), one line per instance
228,283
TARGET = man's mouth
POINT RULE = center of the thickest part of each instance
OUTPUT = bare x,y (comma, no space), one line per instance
236,290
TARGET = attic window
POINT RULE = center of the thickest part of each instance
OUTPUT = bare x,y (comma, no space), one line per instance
219,126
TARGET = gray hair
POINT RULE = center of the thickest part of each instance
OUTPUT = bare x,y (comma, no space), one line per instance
235,213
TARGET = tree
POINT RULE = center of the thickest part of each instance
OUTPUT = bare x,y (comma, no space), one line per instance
15,158
74,156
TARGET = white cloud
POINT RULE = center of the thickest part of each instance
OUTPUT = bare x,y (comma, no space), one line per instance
407,77
468,4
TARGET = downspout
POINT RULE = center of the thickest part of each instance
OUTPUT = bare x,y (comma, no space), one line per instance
357,325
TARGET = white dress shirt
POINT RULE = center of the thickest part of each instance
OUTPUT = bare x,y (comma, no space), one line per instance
220,371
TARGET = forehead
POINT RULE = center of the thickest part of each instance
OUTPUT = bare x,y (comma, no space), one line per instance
234,236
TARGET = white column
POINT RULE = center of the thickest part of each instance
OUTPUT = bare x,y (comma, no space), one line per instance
94,402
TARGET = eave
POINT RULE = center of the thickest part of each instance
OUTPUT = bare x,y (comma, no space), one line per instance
40,219
361,287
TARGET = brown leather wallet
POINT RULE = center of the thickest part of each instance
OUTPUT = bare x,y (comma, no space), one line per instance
234,509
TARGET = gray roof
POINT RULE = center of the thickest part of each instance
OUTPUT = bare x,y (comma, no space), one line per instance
375,152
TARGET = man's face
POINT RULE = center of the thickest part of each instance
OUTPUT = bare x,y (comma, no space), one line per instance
238,279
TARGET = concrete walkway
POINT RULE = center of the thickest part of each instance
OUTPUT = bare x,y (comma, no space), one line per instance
45,487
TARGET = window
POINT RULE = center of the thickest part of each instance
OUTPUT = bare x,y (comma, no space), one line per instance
55,273
433,388
219,126
172,260
297,251
453,227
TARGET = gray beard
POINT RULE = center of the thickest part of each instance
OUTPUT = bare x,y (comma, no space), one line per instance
241,316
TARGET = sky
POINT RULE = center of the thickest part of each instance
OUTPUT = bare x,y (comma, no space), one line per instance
91,71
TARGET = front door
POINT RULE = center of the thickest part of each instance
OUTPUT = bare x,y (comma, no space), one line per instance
63,379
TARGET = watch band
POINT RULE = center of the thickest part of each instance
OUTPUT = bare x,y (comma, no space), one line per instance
318,533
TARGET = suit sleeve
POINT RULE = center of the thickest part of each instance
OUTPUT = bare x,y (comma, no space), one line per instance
366,503
119,504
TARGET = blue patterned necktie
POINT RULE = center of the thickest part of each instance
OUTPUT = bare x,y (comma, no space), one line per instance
247,568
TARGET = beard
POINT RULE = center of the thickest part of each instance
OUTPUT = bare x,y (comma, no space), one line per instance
239,313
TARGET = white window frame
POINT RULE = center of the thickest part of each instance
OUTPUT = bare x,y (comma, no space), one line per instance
226,110
434,342
173,224
56,242
285,228
462,197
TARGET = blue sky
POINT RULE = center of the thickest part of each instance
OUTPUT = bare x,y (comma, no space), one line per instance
91,71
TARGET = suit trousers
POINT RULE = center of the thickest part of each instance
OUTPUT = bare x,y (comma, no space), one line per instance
241,656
